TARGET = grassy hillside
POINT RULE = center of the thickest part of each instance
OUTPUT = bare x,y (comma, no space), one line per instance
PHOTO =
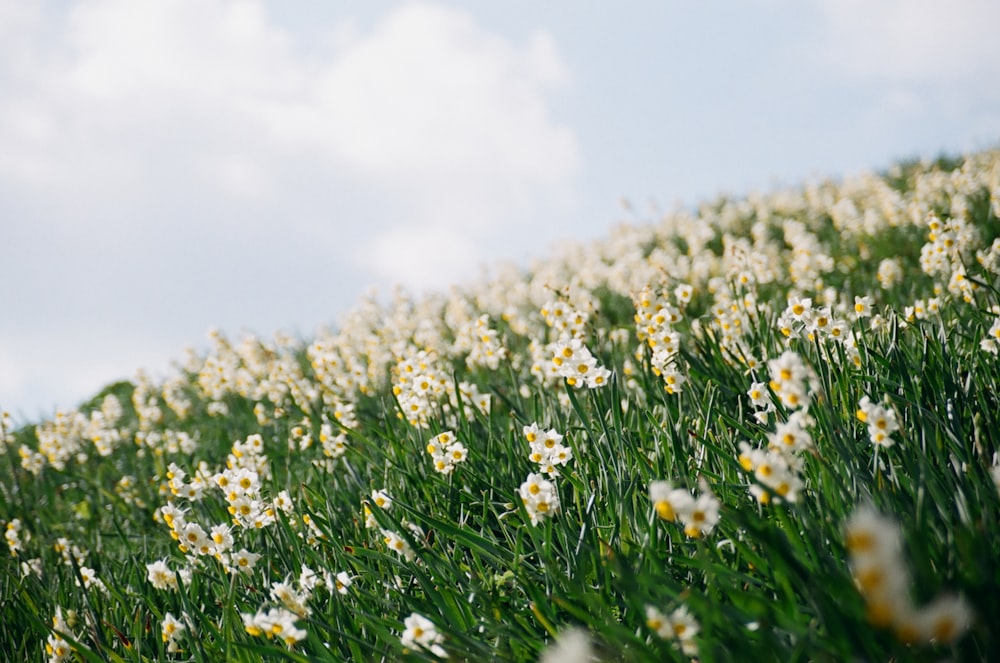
766,430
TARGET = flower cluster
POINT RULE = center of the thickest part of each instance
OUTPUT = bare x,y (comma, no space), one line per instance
655,318
777,467
12,534
803,320
809,261
6,431
333,446
991,343
393,540
419,383
575,363
249,455
380,499
539,497
192,491
424,387
62,439
792,380
483,342
446,451
778,474
397,543
733,322
547,449
295,598
566,320
420,634
698,515
87,578
171,630
277,623
882,576
56,647
881,421
242,491
679,626
949,248
162,576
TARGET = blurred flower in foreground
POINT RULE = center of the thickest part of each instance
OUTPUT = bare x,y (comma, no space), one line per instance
421,634
572,646
874,545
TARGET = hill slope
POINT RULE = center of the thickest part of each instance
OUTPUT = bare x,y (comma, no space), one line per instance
762,431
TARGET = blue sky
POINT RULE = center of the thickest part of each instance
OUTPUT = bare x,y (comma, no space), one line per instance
170,167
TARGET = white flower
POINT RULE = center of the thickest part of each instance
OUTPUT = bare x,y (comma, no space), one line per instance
171,630
572,646
702,517
243,561
539,497
162,577
669,502
342,582
420,633
397,543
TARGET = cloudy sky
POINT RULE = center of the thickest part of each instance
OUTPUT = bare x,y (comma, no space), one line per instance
171,166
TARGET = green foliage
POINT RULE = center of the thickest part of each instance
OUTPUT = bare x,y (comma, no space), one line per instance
772,580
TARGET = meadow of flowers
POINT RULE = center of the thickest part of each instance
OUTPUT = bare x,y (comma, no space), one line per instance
765,429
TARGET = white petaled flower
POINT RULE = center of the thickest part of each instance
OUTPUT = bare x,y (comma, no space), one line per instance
90,580
32,567
698,515
760,398
539,497
162,576
446,452
243,561
12,534
276,623
547,450
680,626
171,630
574,362
420,633
702,517
571,646
874,545
342,582
659,623
395,542
881,421
790,380
294,601
381,500
669,502
685,629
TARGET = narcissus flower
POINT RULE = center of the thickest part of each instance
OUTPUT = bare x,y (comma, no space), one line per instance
539,497
882,576
420,634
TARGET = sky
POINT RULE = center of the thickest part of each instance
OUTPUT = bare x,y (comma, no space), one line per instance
253,166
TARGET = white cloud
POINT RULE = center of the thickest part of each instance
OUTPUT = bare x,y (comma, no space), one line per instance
48,372
11,376
921,71
914,39
145,145
424,258
452,120
448,122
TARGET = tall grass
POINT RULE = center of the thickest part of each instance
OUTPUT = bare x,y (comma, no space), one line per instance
744,475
